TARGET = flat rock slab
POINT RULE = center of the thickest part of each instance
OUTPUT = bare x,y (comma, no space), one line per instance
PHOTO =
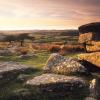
9,70
10,66
57,83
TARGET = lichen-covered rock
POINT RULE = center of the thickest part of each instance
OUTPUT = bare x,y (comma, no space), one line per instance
91,45
11,69
93,58
58,64
85,37
8,66
53,60
57,83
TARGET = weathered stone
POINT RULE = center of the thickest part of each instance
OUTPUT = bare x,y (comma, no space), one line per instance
10,69
85,37
93,46
89,35
58,64
93,58
8,66
95,88
57,83
91,27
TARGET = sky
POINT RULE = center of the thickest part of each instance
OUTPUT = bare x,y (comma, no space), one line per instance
47,14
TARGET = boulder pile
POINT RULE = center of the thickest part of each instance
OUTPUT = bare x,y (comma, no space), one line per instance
56,78
89,36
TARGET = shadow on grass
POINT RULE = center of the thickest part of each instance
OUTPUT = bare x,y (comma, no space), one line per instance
35,94
13,80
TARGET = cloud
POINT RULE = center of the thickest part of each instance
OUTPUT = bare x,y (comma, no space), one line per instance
70,11
66,9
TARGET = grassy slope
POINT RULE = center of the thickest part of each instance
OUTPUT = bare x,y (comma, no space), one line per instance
36,62
16,88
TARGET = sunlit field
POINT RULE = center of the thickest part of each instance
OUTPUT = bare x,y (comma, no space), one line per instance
34,53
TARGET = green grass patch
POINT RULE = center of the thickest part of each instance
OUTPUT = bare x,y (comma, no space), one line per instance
15,89
37,61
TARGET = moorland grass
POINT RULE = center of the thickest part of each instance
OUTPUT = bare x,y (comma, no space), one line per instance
15,89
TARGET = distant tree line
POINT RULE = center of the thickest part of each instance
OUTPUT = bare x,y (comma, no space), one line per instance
18,38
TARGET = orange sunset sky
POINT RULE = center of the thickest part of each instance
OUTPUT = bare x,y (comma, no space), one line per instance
47,14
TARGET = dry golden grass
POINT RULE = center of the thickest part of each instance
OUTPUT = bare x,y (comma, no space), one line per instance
4,45
71,49
50,47
62,49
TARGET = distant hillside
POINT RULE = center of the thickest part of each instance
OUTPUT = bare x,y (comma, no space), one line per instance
16,31
59,32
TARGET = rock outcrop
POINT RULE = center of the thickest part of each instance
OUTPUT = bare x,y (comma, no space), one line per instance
90,35
85,37
93,58
58,64
57,67
91,27
57,83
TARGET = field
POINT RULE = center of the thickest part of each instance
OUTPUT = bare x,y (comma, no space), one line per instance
40,48
15,88
12,92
